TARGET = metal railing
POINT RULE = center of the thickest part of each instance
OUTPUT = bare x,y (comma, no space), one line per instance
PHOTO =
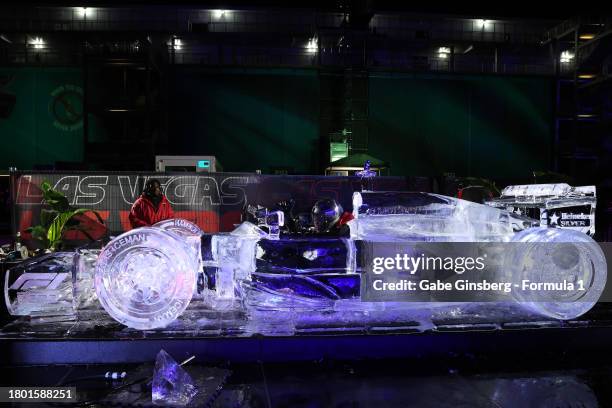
162,19
273,38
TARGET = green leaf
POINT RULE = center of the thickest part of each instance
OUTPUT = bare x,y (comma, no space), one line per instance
55,199
47,217
54,234
39,233
59,204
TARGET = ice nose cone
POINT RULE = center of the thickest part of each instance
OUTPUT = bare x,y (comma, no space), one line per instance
172,385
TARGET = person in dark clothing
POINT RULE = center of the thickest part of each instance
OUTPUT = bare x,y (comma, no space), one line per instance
151,207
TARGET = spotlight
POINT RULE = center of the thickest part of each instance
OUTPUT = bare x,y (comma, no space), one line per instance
483,24
443,52
566,56
312,45
83,12
586,36
37,42
218,14
178,44
586,76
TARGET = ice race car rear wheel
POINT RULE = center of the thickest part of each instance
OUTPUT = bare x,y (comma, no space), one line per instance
560,273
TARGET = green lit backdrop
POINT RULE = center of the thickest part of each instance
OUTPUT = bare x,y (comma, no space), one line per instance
46,124
480,126
250,119
422,124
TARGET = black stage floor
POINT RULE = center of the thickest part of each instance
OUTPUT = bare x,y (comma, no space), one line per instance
383,383
452,360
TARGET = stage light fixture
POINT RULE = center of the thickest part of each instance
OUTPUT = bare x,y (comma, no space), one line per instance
483,24
566,56
177,44
37,42
443,52
83,12
218,14
312,45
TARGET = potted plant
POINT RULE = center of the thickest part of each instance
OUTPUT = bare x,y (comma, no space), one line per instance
57,218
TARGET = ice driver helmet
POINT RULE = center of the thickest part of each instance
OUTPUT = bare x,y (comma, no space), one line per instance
325,214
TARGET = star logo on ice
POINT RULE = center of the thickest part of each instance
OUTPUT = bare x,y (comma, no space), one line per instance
518,211
554,219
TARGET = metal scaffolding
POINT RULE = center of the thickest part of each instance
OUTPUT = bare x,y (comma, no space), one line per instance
283,37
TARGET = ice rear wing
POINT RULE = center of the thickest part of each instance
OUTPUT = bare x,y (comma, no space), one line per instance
554,205
415,216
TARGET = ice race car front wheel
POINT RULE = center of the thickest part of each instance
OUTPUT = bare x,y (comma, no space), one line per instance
145,278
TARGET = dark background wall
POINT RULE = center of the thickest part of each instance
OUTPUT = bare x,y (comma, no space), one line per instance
480,126
423,124
45,125
250,119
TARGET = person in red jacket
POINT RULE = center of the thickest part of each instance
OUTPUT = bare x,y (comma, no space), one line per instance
151,207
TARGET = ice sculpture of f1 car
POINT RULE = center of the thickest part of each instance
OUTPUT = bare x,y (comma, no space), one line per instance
146,278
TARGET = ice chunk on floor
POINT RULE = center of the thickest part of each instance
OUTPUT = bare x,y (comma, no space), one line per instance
172,385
